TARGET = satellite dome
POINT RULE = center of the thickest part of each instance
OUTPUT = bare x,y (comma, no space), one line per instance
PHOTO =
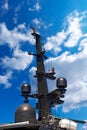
61,82
25,112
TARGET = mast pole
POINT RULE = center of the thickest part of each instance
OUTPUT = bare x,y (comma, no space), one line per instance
43,103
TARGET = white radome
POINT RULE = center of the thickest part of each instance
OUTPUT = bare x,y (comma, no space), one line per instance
68,124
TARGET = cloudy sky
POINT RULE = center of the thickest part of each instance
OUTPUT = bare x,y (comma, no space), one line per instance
63,29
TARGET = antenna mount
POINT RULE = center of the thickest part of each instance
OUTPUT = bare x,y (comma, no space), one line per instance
25,89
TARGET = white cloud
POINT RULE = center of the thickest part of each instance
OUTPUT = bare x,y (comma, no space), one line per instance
70,35
54,42
5,6
73,32
38,24
19,61
36,7
36,21
14,37
48,26
17,8
4,79
33,80
83,45
16,13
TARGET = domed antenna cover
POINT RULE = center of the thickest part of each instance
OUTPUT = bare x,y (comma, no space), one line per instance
25,90
61,82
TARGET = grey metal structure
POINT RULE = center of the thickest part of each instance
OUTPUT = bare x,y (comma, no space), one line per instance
25,115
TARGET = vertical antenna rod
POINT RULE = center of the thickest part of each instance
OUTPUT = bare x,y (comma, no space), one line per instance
43,104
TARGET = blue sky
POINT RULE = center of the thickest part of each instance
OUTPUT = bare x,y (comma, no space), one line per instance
63,27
